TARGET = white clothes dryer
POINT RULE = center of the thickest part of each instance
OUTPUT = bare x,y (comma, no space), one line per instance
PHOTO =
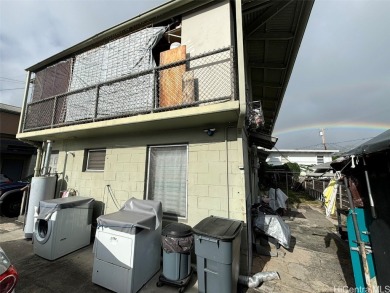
127,246
63,226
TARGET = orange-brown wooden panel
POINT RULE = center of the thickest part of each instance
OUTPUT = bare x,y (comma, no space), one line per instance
171,87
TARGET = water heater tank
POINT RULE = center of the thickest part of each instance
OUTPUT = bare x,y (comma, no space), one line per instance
42,188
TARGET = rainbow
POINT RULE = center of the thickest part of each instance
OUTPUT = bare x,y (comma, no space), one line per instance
337,125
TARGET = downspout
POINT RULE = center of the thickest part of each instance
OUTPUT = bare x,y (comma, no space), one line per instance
372,205
242,100
240,66
241,78
227,168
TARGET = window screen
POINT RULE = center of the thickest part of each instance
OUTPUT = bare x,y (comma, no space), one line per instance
167,178
95,160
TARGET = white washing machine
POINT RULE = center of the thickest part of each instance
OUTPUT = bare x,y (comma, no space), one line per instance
127,246
63,226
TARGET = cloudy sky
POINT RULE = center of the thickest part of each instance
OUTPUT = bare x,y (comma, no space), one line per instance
341,79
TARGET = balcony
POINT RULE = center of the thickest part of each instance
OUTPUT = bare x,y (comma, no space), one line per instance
201,80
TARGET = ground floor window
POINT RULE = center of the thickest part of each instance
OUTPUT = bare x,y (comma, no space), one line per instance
167,178
94,160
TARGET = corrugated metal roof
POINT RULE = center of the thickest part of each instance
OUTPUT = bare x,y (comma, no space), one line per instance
273,31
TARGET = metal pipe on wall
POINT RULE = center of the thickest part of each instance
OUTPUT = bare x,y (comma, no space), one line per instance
23,111
240,64
37,168
47,158
372,205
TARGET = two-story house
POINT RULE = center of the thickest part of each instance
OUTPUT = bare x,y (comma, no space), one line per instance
170,105
304,158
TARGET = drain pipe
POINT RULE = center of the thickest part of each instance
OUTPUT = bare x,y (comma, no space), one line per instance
37,168
240,64
47,158
257,279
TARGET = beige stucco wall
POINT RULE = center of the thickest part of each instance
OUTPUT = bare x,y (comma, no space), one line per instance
203,31
211,173
207,29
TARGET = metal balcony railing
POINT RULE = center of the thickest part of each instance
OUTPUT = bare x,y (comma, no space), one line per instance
199,80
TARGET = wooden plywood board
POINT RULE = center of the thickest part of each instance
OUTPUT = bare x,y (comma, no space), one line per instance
171,84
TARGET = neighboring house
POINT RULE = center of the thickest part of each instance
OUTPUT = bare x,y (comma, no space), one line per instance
303,158
17,159
166,106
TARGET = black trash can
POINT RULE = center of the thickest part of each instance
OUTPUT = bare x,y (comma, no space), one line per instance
177,242
217,249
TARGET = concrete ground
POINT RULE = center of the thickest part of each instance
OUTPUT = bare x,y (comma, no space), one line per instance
318,261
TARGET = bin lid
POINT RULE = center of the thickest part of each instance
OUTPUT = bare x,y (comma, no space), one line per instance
126,221
220,228
177,230
50,206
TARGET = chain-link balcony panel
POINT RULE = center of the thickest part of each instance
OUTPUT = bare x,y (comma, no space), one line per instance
202,79
127,97
199,80
81,105
59,110
39,114
52,80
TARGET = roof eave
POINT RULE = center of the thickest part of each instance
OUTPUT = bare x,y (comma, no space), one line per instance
163,12
297,44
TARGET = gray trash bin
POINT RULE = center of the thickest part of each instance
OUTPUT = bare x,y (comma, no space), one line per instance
217,249
177,241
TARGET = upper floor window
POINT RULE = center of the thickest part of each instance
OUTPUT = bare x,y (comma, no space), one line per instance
320,159
95,159
167,178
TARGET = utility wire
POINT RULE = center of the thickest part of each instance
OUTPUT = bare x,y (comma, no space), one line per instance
336,143
19,88
282,154
10,79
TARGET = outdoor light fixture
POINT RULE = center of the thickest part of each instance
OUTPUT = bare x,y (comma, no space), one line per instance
209,131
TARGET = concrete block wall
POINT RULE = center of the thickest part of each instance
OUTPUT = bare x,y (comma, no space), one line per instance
215,180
